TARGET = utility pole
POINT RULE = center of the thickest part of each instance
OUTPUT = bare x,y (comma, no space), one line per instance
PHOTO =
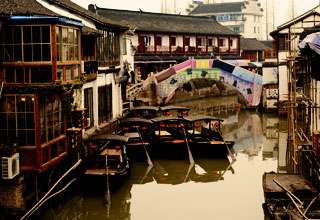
267,30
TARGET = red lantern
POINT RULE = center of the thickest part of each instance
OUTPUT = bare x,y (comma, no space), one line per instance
93,146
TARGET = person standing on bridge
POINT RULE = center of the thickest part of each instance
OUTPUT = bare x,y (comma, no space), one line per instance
133,77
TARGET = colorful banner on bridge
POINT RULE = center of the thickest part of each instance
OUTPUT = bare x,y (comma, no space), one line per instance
247,83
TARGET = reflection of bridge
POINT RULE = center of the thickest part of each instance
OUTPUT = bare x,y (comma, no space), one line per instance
248,134
248,84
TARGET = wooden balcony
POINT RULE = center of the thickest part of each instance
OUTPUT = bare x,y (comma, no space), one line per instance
90,70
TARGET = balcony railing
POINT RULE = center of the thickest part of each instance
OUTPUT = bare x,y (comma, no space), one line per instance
150,49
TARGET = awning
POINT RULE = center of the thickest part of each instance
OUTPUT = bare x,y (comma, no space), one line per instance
47,18
255,64
238,62
310,42
157,61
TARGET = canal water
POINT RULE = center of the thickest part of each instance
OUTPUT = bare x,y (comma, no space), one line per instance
212,189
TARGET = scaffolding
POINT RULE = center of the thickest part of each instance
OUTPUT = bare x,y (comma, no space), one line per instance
302,111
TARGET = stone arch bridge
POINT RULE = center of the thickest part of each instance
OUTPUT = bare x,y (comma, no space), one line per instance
246,83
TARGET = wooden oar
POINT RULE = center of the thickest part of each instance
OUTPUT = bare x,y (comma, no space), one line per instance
187,143
312,201
107,196
229,151
145,149
285,189
297,205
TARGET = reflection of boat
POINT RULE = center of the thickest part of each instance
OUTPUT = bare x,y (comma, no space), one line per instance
139,132
140,173
175,111
290,196
211,170
172,171
109,159
94,206
205,138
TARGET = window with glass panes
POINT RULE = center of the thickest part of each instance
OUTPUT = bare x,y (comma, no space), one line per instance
25,43
104,103
51,118
108,48
88,103
17,119
67,44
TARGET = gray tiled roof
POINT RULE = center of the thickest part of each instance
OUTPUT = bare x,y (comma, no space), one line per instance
33,8
218,8
74,8
252,44
23,8
166,23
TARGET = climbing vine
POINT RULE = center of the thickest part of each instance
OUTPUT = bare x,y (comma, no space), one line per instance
65,90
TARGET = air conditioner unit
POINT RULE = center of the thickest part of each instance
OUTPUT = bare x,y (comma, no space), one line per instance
88,122
10,166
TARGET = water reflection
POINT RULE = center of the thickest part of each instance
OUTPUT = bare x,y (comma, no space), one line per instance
211,189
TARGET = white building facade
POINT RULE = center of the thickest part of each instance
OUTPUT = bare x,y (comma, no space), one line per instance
245,18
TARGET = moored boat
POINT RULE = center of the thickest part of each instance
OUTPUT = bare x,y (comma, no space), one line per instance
140,133
108,164
205,137
290,196
175,111
169,140
146,112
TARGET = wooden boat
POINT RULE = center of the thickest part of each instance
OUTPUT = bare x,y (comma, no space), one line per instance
140,133
205,137
175,111
290,196
108,159
147,112
169,140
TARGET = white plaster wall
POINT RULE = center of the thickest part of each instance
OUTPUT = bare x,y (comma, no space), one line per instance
270,75
283,83
179,40
165,40
129,48
251,12
135,40
66,13
192,41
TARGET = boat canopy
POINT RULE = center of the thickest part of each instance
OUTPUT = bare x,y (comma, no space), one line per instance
168,119
145,107
171,107
136,120
194,118
110,137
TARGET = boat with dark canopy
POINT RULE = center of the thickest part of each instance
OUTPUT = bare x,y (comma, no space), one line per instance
147,112
205,137
140,132
169,138
175,111
107,159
